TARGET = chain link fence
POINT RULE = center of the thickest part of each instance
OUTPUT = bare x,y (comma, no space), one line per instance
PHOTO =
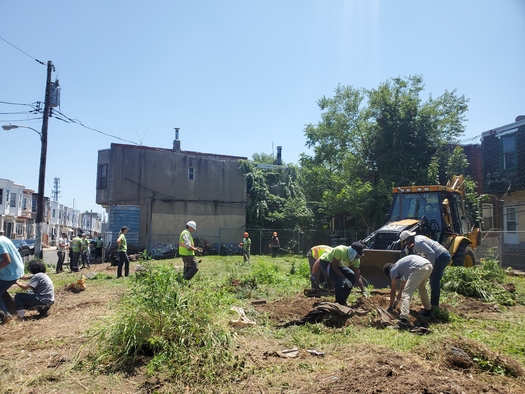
506,247
227,240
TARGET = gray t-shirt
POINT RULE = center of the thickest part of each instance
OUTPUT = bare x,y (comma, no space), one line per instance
43,288
406,265
429,248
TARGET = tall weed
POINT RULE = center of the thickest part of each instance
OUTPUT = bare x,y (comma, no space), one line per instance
170,327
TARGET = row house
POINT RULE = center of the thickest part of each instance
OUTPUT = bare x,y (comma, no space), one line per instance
18,206
14,213
503,153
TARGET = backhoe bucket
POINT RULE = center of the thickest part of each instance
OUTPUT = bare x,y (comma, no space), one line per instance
372,262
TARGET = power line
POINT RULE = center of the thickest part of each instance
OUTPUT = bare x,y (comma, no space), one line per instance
21,120
7,102
25,53
18,113
67,118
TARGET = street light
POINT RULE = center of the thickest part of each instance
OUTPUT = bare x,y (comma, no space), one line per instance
14,126
41,184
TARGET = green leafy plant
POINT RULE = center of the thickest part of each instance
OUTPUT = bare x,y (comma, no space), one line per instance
484,282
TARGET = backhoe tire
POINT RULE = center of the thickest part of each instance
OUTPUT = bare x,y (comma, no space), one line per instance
464,257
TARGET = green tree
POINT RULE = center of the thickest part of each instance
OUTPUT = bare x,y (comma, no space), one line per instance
369,140
264,158
276,198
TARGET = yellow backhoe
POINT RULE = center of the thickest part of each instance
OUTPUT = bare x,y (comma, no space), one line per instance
438,212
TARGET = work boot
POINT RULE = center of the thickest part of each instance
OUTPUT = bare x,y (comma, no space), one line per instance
6,319
428,313
403,324
44,310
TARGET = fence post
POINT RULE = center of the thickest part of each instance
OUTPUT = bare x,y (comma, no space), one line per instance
219,241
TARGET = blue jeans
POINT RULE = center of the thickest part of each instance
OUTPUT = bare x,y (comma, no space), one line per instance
4,286
341,290
435,280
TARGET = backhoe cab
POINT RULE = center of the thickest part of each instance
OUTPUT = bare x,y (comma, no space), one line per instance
438,212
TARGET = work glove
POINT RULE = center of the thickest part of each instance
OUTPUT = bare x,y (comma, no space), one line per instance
199,251
348,283
394,306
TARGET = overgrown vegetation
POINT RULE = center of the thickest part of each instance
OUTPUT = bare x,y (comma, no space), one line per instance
171,329
486,282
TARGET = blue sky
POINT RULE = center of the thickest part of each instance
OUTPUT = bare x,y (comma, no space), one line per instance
237,77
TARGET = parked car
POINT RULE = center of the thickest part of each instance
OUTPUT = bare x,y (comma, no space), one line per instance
31,243
22,246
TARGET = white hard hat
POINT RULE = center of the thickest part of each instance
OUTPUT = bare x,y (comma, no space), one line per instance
405,234
192,224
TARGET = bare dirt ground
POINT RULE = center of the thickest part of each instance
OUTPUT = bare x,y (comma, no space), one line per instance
375,369
39,355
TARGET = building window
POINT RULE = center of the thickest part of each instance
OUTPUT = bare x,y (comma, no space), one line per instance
1,196
33,205
191,174
54,213
488,217
12,202
19,229
102,176
24,203
509,152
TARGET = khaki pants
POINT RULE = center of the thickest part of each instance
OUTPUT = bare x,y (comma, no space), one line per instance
416,280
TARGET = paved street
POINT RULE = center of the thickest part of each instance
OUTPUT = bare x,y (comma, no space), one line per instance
50,256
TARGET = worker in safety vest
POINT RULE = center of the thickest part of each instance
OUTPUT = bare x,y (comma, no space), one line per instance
187,250
337,263
318,277
246,246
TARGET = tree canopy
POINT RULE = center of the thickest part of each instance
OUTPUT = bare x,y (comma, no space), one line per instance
369,140
366,142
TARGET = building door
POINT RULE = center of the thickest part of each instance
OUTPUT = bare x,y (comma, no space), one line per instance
511,226
9,233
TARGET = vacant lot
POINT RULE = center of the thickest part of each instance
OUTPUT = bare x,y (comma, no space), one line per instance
46,355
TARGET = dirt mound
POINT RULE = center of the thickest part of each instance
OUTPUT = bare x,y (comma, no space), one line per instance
284,310
297,307
371,372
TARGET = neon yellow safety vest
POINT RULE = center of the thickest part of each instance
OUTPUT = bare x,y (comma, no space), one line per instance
183,251
317,251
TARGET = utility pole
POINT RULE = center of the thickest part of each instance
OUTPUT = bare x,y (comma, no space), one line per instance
42,174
